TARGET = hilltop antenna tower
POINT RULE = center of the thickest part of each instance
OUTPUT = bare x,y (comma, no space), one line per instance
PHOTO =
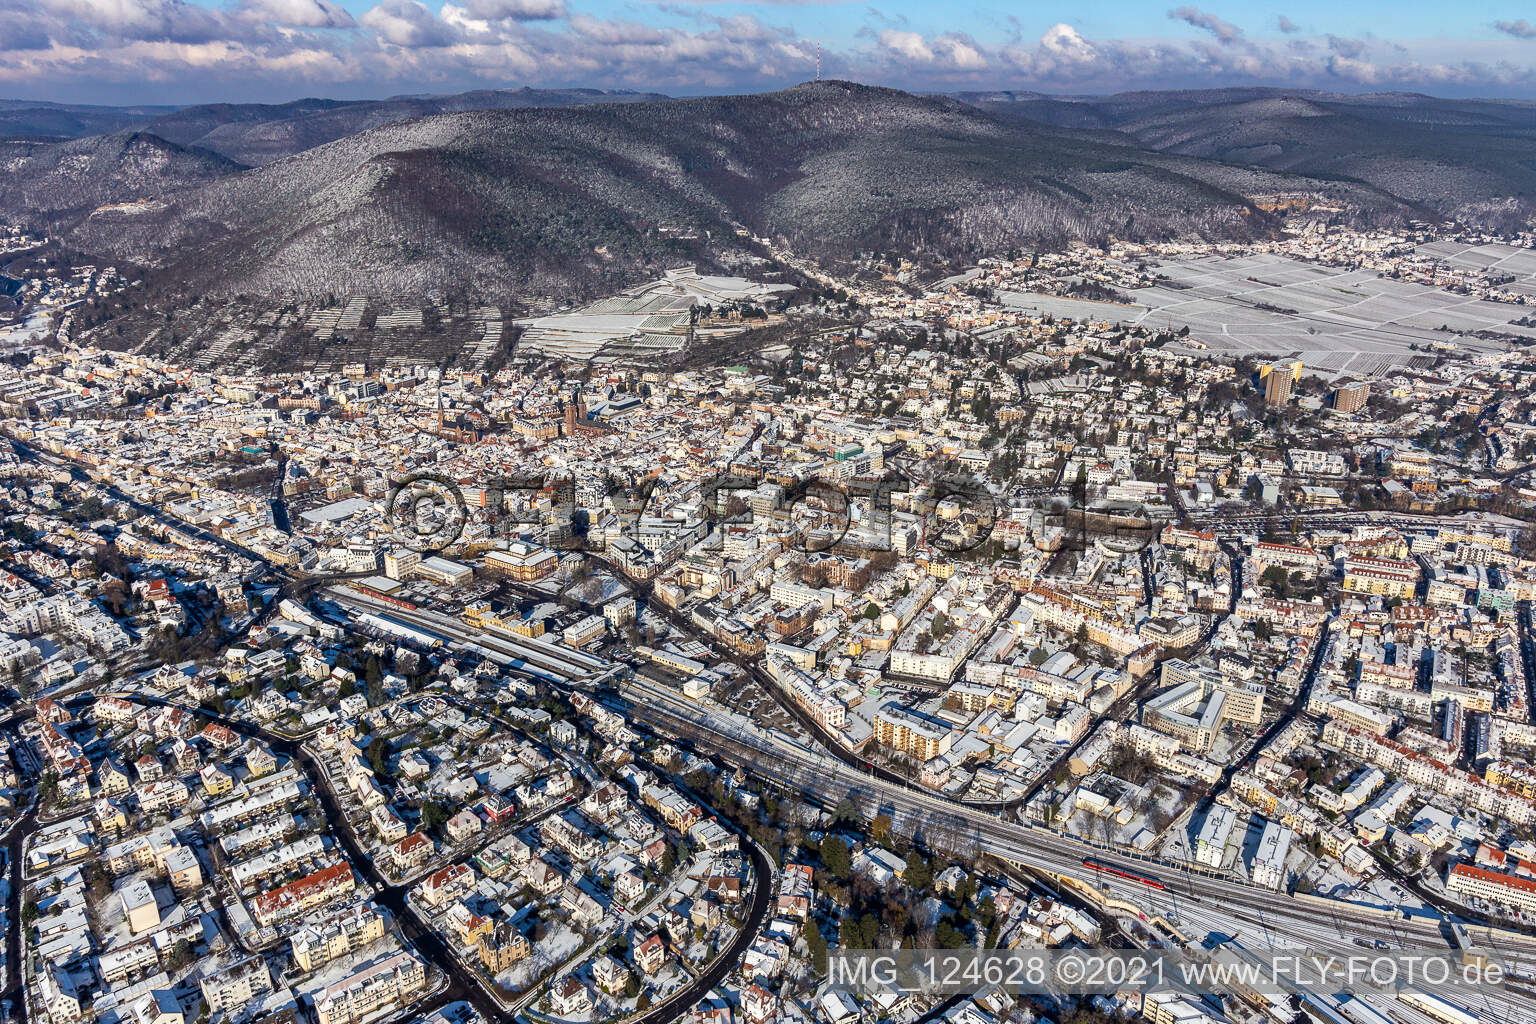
818,62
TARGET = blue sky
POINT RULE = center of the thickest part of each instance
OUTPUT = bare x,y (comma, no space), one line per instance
185,51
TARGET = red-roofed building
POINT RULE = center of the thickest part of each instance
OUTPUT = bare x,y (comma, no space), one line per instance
64,754
1510,890
113,709
309,892
758,1005
50,710
650,954
411,852
498,809
795,891
1291,556
441,886
220,737
1424,770
1495,859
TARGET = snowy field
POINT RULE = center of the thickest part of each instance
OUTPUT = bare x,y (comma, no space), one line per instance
1336,321
25,333
650,316
1071,308
1506,259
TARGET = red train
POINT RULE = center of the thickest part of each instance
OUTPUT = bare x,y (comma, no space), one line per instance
1147,880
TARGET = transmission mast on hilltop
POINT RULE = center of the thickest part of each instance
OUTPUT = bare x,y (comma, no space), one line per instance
818,62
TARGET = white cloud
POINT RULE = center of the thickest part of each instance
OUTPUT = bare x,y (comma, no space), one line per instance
515,10
746,28
105,49
1344,47
1360,71
950,51
408,23
141,19
1064,42
910,45
299,13
1224,31
960,52
616,33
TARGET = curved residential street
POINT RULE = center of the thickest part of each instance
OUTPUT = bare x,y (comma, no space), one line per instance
463,982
